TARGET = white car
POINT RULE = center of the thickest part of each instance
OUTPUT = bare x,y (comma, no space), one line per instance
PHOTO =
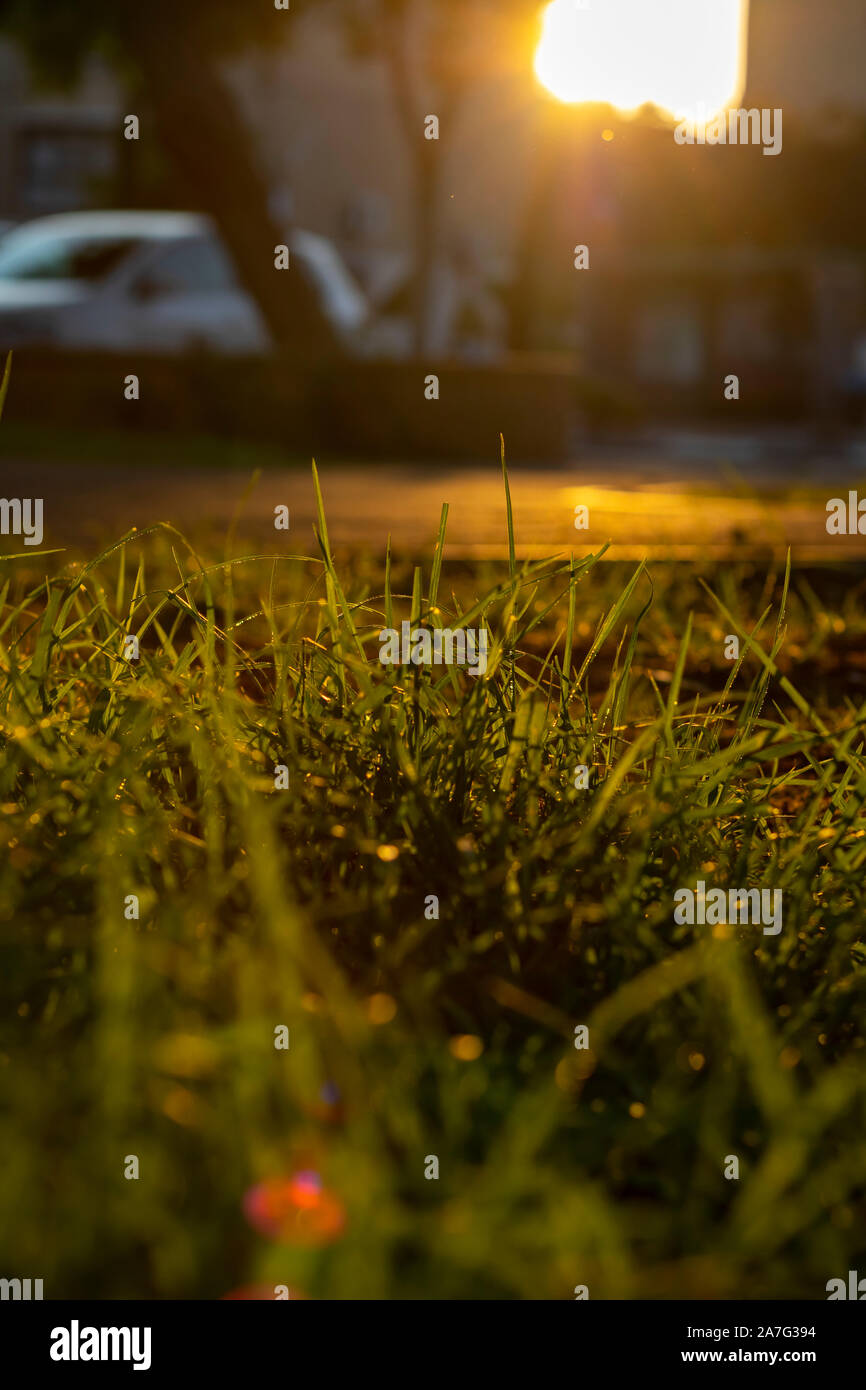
159,281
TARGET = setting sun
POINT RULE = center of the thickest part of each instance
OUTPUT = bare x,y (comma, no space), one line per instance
682,56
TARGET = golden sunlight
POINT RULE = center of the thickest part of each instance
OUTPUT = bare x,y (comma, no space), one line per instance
687,57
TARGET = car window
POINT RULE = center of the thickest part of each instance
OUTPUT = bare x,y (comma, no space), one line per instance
64,258
196,265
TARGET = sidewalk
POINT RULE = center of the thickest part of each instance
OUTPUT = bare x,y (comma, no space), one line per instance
651,506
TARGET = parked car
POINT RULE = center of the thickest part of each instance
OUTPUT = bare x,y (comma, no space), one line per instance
159,281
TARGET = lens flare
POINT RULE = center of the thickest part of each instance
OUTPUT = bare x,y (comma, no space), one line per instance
297,1210
328,1108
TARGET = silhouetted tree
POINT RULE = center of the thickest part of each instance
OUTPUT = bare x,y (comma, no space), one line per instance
434,52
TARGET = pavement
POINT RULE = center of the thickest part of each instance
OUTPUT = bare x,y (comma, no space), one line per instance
686,496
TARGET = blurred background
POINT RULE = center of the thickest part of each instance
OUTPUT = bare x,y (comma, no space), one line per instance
413,256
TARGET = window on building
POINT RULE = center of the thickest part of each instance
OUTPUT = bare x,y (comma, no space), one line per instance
669,344
57,168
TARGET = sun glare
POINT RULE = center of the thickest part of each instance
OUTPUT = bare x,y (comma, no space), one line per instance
683,56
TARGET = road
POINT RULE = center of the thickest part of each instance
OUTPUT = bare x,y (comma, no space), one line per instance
644,504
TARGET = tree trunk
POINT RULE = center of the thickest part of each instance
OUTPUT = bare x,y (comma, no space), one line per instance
426,212
544,174
205,138
425,161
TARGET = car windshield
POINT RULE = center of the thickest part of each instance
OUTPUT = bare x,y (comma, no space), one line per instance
61,258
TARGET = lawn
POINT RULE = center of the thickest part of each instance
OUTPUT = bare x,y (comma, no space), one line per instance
281,925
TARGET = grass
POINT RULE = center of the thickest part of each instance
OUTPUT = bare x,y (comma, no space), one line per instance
411,1035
